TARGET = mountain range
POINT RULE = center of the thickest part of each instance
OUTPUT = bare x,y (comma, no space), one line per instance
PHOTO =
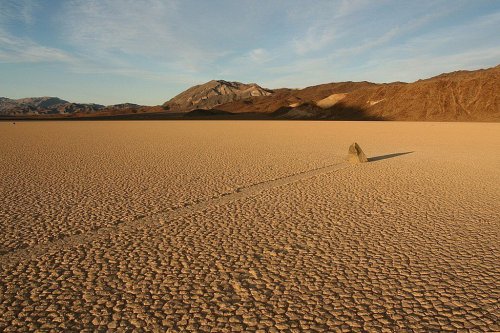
457,96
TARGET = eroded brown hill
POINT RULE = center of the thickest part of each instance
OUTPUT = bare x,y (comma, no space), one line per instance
462,96
458,96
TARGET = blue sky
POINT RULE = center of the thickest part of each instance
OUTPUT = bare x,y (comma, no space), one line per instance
147,51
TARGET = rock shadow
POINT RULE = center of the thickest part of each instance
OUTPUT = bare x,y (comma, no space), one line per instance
383,157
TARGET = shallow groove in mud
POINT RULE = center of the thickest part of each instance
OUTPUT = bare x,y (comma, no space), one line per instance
238,193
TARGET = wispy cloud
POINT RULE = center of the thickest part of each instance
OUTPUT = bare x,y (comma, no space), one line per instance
393,32
15,49
402,51
18,50
132,30
17,10
327,20
440,51
424,66
118,25
316,38
259,55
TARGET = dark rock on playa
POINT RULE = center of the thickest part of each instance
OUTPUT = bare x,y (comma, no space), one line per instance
356,154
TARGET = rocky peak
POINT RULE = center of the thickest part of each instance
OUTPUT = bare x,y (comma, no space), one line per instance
213,93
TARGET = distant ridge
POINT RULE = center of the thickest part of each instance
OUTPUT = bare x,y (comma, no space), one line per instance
457,96
43,106
54,107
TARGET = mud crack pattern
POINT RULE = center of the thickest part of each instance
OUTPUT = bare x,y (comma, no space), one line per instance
403,244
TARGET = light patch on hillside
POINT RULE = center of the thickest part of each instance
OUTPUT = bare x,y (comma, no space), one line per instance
330,100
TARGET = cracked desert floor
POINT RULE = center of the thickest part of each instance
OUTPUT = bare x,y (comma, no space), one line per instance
222,226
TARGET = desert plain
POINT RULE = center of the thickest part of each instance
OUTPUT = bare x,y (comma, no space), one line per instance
229,226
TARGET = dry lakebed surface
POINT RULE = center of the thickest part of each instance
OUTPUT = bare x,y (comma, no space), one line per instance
230,226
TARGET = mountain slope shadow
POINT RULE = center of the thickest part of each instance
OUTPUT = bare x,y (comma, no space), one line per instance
343,111
383,157
309,110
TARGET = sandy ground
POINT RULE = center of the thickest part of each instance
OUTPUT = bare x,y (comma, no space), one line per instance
249,226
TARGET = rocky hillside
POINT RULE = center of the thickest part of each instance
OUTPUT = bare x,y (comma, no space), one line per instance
213,94
458,96
461,96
